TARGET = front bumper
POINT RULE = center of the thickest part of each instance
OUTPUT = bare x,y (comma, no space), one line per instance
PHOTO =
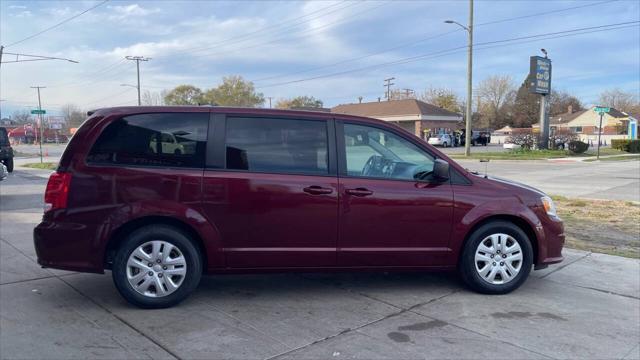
550,250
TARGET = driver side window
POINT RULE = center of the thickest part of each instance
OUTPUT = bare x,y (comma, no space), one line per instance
373,152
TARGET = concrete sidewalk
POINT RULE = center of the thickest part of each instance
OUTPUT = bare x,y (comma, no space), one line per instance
586,307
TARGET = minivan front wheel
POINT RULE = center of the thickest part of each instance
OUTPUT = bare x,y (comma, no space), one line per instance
497,258
156,267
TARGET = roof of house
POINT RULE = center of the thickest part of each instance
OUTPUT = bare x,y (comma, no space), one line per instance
566,117
617,113
393,108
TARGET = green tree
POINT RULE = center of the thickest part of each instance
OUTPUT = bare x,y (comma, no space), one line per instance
442,97
234,91
526,107
299,102
184,95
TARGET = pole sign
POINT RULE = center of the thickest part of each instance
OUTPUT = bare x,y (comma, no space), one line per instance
41,112
539,75
601,109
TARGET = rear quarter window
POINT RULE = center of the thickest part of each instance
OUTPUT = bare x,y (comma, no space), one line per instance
165,140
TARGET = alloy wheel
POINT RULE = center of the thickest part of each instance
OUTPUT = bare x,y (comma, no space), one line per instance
156,268
498,258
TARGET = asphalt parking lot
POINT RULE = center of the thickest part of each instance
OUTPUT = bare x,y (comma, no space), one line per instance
586,307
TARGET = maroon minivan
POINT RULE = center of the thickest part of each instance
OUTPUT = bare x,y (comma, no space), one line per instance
160,195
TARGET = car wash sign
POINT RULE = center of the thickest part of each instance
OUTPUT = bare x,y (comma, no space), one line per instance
539,75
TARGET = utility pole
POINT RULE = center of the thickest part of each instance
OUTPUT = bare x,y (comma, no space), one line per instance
408,93
467,133
269,97
137,59
40,118
469,112
388,84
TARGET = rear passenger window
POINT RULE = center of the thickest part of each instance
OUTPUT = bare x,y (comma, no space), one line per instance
277,145
174,140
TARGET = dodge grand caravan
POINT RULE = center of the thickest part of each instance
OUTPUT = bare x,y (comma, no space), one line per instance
256,190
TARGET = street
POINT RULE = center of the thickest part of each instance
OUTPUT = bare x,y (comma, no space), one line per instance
586,307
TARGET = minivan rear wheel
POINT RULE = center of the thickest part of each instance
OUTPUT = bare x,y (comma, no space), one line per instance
157,266
497,258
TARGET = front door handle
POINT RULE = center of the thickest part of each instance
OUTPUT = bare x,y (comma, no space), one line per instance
317,190
359,192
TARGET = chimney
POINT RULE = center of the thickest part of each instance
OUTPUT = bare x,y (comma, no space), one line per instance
570,109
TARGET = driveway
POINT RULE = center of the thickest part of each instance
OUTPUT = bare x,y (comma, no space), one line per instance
586,307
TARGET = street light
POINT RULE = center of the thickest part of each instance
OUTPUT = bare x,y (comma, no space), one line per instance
469,29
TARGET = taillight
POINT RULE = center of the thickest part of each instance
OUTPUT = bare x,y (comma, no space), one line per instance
55,197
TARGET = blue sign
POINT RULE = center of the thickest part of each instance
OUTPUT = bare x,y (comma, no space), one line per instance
633,129
539,75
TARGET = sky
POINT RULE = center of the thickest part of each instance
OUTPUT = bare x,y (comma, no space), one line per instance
335,51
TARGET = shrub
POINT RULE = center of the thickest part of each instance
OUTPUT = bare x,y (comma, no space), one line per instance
620,144
632,146
526,141
578,147
561,137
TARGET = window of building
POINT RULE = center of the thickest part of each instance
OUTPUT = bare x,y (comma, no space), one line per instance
164,139
277,145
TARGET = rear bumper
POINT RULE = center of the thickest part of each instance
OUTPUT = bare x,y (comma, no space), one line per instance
67,246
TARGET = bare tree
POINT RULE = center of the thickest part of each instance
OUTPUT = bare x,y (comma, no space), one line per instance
73,115
21,116
442,97
153,98
619,99
494,93
560,101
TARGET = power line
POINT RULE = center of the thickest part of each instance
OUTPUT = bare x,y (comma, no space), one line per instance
118,94
436,36
261,30
447,52
58,24
224,52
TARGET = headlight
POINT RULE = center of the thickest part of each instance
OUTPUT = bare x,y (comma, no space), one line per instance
549,206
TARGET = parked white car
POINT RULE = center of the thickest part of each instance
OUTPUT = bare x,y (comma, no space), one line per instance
511,146
443,140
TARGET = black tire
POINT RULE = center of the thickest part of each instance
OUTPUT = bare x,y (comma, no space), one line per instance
165,233
467,266
9,164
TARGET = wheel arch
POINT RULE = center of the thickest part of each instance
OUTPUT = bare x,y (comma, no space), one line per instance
120,234
516,220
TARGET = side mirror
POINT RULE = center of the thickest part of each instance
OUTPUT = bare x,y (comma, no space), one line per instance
441,170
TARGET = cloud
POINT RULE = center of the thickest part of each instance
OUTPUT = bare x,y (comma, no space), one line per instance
133,10
23,14
17,7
